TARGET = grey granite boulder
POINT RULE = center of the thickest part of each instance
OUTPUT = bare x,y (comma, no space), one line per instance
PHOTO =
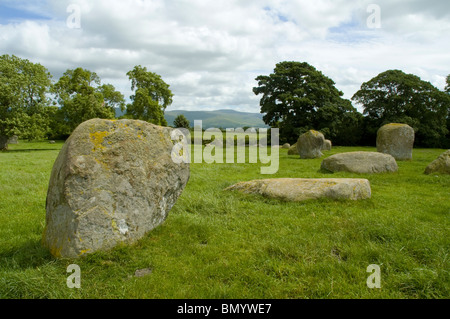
360,162
113,182
309,144
326,145
300,189
13,140
293,150
440,165
396,140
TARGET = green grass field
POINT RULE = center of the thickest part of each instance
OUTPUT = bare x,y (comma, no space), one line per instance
218,244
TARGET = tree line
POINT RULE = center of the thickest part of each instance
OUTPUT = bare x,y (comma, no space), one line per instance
32,106
296,97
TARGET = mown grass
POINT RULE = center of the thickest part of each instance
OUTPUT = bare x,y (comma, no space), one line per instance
219,244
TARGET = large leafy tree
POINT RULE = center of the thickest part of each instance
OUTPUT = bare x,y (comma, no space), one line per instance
447,138
24,86
296,97
82,97
151,96
396,97
447,87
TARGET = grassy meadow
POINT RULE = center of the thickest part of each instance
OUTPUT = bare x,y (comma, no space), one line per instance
219,244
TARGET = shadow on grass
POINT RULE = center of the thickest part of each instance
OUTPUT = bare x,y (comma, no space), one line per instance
30,150
29,254
325,171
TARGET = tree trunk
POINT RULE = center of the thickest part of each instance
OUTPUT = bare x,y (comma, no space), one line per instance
3,143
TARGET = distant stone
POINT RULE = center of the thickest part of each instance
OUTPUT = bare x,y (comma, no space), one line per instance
300,189
13,140
396,140
326,145
113,182
440,165
286,146
360,162
142,272
51,142
293,150
309,144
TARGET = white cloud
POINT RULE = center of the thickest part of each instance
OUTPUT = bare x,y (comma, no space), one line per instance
211,51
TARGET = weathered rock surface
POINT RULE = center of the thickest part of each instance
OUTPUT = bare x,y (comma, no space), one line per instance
396,140
299,189
326,145
113,181
293,150
440,165
360,162
309,144
13,140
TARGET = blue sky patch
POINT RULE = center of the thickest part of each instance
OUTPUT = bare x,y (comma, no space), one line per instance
10,14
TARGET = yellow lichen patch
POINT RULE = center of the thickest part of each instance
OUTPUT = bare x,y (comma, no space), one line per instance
56,251
396,124
114,224
97,139
84,251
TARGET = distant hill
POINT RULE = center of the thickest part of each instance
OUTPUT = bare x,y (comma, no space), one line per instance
217,119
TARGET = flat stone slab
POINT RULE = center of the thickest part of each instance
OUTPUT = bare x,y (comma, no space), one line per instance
360,162
300,189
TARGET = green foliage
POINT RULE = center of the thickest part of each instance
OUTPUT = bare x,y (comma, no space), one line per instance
181,122
447,86
297,98
82,97
396,97
23,98
151,97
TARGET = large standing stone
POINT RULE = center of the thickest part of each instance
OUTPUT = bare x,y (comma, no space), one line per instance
112,182
440,165
396,140
360,162
300,189
309,144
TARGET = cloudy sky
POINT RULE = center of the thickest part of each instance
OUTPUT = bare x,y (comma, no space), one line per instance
210,52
